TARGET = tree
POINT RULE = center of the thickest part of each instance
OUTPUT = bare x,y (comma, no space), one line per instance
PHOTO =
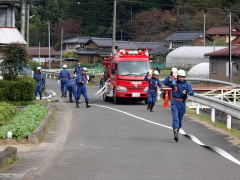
15,58
153,25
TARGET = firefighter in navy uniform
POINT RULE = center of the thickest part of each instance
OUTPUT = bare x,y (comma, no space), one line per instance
180,90
64,78
40,79
81,80
154,83
78,69
72,88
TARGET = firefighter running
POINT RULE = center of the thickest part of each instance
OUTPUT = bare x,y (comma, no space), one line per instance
81,80
180,90
154,84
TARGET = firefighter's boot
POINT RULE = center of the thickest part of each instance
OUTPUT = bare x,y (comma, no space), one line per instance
148,107
70,97
77,104
87,104
151,107
175,133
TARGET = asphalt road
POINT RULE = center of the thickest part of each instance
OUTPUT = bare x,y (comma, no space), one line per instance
103,144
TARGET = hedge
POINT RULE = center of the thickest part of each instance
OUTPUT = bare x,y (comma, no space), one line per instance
21,89
25,122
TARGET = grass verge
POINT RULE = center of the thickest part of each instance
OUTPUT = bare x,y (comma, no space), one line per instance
234,132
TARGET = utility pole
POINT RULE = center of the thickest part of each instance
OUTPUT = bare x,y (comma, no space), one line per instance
121,35
28,23
61,49
204,29
230,47
23,18
39,52
114,26
49,46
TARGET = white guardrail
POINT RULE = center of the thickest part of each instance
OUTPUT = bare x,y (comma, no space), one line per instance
215,104
231,109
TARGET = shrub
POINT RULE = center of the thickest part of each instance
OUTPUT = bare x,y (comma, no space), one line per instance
7,112
34,65
15,58
21,89
25,122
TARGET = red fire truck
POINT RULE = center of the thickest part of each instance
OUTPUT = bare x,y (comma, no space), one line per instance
124,74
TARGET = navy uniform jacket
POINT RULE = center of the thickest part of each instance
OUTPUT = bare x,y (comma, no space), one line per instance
64,74
178,88
153,83
81,79
78,70
39,77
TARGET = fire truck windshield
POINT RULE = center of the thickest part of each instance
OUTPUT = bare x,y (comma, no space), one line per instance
133,68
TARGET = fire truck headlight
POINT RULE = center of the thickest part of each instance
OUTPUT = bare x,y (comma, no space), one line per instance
121,89
146,89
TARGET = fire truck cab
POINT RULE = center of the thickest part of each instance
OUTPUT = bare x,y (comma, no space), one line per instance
124,75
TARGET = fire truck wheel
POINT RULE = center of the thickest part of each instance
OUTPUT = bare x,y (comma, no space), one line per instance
105,98
115,99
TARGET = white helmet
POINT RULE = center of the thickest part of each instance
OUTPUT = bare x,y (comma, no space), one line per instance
156,72
64,66
181,73
85,69
174,70
39,68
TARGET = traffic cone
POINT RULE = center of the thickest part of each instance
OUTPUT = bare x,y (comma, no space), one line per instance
166,101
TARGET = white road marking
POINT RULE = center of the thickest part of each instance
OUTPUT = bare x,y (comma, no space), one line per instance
192,137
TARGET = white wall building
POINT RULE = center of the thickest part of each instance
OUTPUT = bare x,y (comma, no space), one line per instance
189,56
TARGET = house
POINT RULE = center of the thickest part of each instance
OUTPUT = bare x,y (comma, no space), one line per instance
189,56
75,43
156,49
219,64
41,54
186,38
222,33
93,49
8,33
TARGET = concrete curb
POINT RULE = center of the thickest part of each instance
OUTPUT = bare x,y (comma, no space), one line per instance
7,154
38,133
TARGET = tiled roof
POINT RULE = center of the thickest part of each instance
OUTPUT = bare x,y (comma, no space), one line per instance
225,52
184,36
34,51
80,40
221,30
14,2
154,47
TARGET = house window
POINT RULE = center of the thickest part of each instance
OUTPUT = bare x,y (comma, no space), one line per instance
90,59
70,46
234,68
213,66
3,18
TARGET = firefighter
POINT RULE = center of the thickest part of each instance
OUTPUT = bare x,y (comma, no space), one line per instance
64,77
81,80
154,83
72,88
180,90
78,69
40,79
